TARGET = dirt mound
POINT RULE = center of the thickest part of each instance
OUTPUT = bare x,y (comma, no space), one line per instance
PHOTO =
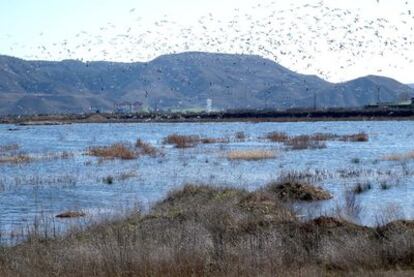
96,118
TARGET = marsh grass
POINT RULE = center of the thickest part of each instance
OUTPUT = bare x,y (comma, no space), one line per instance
181,141
314,141
251,155
189,141
114,151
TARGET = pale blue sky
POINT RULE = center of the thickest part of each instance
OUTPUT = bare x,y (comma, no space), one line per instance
109,30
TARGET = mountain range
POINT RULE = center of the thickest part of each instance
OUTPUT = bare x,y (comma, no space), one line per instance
179,82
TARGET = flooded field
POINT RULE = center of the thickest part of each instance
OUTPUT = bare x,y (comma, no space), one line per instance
47,170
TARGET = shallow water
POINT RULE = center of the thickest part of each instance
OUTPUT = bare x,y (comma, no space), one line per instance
45,188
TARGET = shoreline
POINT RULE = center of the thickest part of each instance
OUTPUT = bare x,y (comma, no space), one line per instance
231,116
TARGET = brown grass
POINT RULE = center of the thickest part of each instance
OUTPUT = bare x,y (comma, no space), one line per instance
251,155
360,137
114,151
207,231
400,157
277,137
181,141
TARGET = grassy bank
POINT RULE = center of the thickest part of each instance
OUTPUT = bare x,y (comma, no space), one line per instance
203,230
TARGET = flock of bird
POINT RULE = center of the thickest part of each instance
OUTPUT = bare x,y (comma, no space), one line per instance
315,38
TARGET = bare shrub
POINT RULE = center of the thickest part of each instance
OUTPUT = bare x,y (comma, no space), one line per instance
361,188
146,148
240,136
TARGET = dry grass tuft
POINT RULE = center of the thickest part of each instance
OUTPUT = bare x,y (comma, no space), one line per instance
400,157
115,151
251,155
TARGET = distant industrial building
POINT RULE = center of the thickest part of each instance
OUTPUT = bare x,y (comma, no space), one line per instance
406,105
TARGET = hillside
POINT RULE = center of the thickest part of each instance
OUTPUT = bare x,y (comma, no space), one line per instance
177,82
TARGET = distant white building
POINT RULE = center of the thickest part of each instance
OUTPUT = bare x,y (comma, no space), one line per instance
127,107
209,105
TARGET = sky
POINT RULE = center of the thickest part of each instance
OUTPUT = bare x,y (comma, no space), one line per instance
336,40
